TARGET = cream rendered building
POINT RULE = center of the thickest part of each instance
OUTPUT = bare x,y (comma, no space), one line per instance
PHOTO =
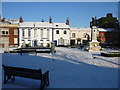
79,35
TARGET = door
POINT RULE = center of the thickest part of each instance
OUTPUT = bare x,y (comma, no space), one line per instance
55,42
35,43
72,42
61,41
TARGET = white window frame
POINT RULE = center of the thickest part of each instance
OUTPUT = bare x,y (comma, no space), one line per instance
41,33
4,40
5,30
29,33
15,31
58,32
35,33
64,32
15,40
48,33
23,32
73,35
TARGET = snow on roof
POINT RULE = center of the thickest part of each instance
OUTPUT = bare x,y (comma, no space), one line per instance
60,25
105,30
12,21
43,24
35,24
26,24
80,29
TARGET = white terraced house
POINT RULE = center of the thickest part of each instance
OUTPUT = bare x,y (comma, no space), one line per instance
61,34
37,34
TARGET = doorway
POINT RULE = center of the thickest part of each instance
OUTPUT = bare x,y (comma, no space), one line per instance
35,43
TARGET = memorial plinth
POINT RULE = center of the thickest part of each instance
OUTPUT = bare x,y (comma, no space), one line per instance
94,45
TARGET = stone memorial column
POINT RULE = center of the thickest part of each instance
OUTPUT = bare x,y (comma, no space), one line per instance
94,45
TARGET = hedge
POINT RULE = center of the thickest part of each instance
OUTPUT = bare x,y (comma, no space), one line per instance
110,54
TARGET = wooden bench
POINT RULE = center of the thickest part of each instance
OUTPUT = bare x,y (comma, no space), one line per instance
11,72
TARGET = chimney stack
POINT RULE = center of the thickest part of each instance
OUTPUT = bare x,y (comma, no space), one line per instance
50,20
21,19
42,20
67,21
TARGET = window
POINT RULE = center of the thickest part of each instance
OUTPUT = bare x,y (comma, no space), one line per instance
23,32
56,25
5,31
57,32
65,32
47,33
85,35
15,31
15,40
29,33
61,41
4,40
41,33
35,33
73,35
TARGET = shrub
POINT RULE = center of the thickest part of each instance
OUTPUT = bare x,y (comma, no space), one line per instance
74,46
110,54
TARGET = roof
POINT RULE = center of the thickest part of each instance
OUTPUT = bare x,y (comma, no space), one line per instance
60,25
105,29
43,24
80,29
35,24
26,24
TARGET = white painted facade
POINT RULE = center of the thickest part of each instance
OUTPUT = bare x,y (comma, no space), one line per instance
35,34
43,33
61,34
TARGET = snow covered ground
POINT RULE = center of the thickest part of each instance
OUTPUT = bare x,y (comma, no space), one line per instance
69,68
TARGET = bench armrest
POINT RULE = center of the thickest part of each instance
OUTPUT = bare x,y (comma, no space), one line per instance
46,74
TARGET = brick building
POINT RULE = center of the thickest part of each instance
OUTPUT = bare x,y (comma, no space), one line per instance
105,22
9,33
109,36
108,27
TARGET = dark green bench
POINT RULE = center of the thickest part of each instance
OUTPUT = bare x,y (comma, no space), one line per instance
11,72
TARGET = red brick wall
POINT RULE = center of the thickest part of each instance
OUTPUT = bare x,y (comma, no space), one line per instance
112,37
11,35
101,37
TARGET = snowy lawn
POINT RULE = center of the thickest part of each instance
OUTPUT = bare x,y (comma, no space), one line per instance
69,68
